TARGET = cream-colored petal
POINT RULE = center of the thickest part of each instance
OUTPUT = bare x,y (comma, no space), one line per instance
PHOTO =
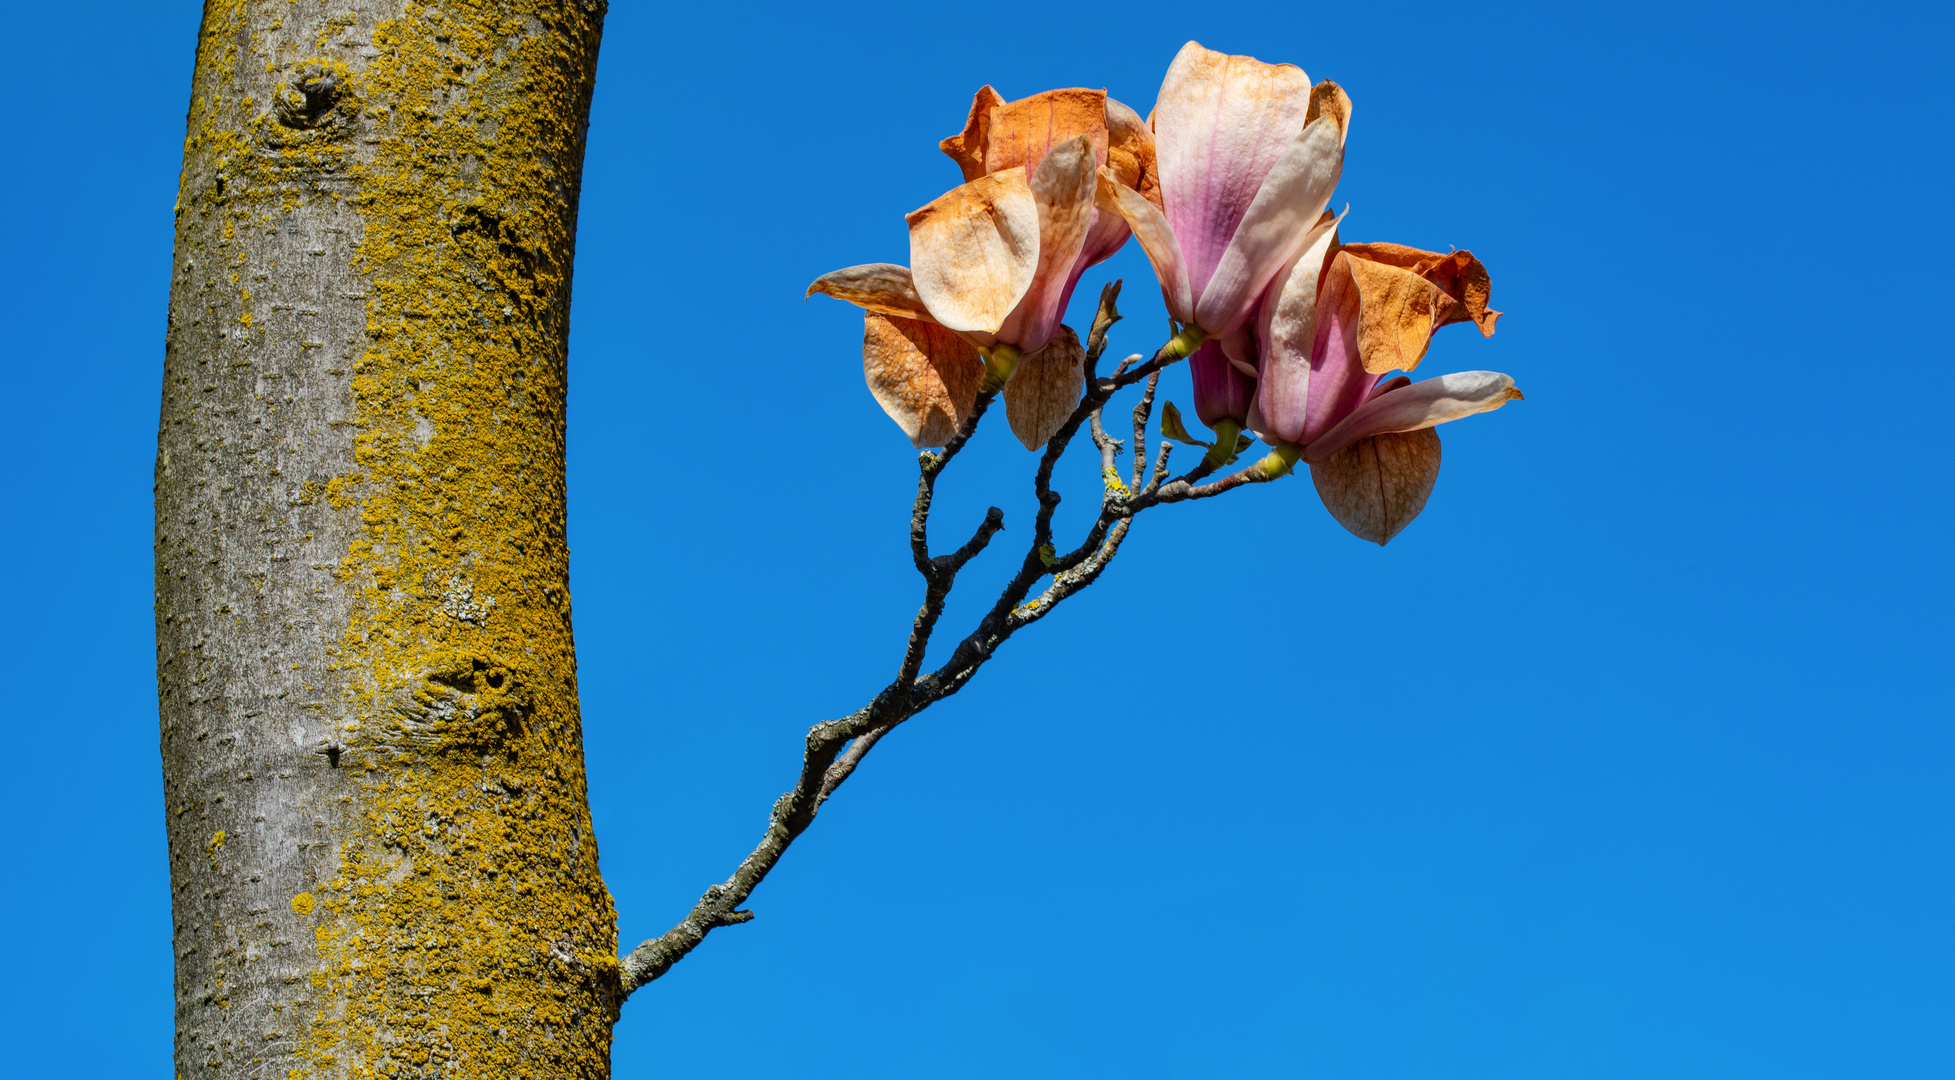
1156,239
1046,388
880,287
925,377
974,251
1376,486
1277,225
967,147
1063,188
1420,405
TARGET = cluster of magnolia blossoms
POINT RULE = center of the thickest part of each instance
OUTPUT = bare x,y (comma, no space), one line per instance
1289,332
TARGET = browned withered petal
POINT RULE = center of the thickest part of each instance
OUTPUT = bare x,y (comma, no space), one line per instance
1377,485
1130,151
1398,311
880,287
1001,135
1046,388
966,148
1458,273
924,376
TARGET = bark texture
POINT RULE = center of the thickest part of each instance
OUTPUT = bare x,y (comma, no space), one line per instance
380,846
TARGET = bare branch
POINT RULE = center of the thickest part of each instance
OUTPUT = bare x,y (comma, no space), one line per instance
1142,412
1160,469
835,748
1274,466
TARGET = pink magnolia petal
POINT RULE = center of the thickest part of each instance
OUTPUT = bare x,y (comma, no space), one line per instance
1418,406
1221,392
1288,328
880,287
1239,345
1397,382
1276,226
975,250
1220,124
1338,382
1063,188
1150,227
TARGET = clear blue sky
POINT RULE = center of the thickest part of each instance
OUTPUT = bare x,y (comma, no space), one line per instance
1630,758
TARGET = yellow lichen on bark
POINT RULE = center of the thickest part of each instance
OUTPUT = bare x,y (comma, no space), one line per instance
481,939
467,932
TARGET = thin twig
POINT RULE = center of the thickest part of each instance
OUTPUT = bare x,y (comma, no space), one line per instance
1142,412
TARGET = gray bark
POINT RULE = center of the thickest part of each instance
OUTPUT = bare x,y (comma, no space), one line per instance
379,843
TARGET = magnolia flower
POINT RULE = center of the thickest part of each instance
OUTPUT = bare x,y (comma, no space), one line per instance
1333,323
990,261
1249,154
1002,135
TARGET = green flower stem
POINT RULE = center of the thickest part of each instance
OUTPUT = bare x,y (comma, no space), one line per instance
999,364
1277,463
1226,436
1184,344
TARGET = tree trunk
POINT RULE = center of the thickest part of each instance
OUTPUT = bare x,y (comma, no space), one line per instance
381,858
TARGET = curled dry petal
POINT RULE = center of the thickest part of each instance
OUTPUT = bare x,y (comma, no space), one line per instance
1376,486
1277,225
967,147
975,250
880,287
1220,124
924,376
1458,274
1046,388
1130,151
1420,405
1400,311
1329,99
1002,135
1063,190
1150,227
